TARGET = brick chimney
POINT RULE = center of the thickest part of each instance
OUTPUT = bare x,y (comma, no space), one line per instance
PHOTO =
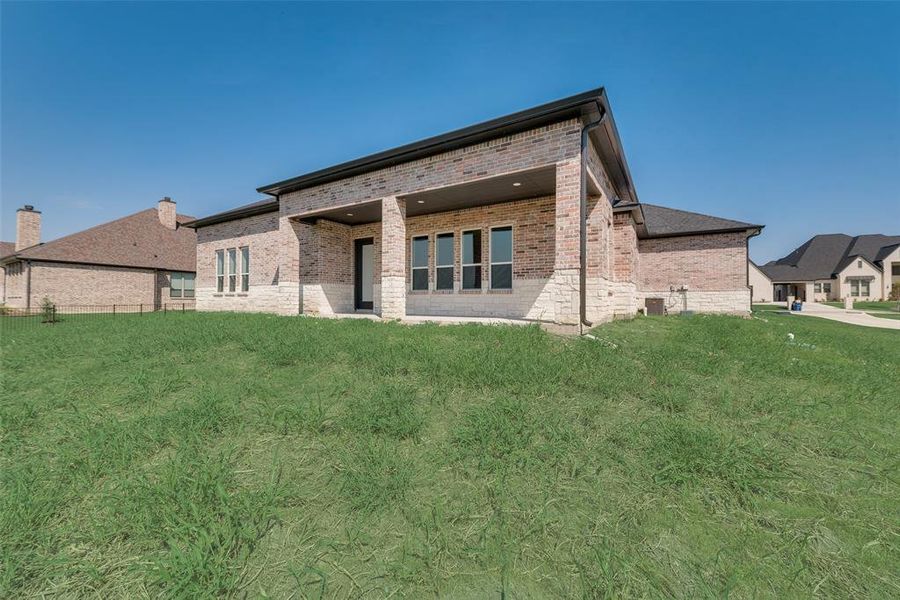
166,211
28,227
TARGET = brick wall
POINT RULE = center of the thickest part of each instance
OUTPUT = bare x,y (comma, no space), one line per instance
89,285
714,262
14,293
625,248
260,233
538,147
28,228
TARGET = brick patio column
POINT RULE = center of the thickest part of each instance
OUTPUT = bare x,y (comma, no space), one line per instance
289,234
393,258
567,264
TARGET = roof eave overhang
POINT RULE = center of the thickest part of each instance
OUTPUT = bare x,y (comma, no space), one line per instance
232,215
588,106
33,259
751,230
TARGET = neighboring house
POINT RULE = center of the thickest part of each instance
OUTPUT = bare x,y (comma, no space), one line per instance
834,266
529,216
147,258
761,288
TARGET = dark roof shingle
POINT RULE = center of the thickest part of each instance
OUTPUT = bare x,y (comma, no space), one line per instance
138,240
824,256
7,248
661,221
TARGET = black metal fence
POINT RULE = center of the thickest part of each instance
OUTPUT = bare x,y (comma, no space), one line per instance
49,315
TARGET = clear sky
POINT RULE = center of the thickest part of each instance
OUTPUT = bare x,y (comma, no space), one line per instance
782,114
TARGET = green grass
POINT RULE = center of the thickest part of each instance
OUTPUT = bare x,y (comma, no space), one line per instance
220,455
884,315
892,305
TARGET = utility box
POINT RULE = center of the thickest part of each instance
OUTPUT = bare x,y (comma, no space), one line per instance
655,306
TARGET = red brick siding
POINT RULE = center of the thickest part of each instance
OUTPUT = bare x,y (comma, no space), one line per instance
533,223
80,285
260,233
538,147
714,262
625,248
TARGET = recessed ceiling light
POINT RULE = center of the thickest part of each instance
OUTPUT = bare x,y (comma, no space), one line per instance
349,214
420,201
516,184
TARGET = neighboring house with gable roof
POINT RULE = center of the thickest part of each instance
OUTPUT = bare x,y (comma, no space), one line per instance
835,266
528,216
147,258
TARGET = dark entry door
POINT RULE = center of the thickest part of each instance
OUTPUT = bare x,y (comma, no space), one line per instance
363,273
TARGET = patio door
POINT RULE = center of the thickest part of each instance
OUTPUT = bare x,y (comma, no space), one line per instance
363,273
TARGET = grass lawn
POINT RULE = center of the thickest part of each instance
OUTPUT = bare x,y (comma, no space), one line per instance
882,315
893,305
208,455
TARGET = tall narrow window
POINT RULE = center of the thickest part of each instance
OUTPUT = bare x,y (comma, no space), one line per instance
854,287
176,285
826,287
443,262
818,288
220,270
420,263
863,288
471,260
245,268
501,258
232,269
188,279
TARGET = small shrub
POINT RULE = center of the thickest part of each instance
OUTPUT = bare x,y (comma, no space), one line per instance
895,292
48,311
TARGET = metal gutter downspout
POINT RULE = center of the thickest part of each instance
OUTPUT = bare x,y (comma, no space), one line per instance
747,249
582,308
28,286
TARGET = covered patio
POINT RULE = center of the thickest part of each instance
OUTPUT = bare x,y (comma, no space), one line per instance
487,248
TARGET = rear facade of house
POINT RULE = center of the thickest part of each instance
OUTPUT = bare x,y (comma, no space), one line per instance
530,216
140,262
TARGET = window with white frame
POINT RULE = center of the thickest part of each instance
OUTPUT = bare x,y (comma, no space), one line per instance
443,262
864,288
220,270
854,287
826,288
471,259
818,288
182,285
859,264
232,269
245,268
419,263
501,258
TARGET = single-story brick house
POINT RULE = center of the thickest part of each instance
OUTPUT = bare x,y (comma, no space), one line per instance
529,216
147,258
835,266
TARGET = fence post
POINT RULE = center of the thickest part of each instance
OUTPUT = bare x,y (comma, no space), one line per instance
142,309
182,307
164,307
114,309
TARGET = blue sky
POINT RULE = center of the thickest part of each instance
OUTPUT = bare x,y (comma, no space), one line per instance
782,114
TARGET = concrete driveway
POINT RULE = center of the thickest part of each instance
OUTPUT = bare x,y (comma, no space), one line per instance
854,317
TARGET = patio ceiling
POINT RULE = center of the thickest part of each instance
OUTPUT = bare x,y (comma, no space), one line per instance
521,185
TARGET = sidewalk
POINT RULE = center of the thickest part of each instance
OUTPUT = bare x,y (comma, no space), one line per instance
854,317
